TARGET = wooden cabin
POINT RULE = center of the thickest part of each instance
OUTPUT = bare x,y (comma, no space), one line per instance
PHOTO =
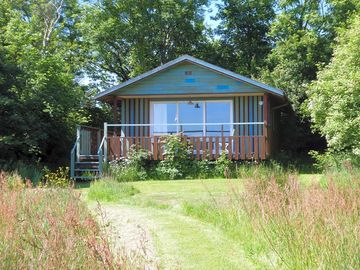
212,108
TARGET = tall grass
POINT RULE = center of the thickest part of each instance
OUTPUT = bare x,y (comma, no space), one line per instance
50,229
33,172
298,227
110,190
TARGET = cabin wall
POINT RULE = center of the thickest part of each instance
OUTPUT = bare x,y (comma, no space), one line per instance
245,109
249,109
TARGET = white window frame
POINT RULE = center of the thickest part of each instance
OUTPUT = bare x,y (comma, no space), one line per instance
203,102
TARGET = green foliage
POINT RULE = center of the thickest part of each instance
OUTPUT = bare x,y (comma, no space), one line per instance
40,98
176,163
334,99
59,178
109,190
129,37
133,168
243,29
335,161
26,171
223,166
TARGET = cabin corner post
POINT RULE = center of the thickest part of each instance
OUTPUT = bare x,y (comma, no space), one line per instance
78,134
105,141
266,119
115,113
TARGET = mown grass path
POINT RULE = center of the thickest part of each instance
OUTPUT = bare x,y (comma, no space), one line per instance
180,242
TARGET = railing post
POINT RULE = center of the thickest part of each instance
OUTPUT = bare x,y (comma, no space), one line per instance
72,166
105,142
78,139
100,163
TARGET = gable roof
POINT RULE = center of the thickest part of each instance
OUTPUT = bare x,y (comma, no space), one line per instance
188,58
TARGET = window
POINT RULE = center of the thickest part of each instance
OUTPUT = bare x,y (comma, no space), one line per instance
170,117
218,112
163,114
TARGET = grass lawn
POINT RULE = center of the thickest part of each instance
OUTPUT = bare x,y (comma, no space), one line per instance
182,241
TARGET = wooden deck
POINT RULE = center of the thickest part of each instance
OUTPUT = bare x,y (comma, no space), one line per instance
201,147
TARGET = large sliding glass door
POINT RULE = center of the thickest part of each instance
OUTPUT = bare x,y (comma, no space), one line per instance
217,113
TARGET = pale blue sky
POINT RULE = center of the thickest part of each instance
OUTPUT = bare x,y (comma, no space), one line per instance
211,11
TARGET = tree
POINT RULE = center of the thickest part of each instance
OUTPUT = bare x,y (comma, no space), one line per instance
243,32
126,38
334,98
43,99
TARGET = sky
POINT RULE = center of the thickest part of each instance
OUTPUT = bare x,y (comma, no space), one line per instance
211,11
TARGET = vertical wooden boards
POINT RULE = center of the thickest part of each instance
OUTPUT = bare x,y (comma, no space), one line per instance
211,148
230,146
236,147
204,147
197,148
155,150
243,149
217,147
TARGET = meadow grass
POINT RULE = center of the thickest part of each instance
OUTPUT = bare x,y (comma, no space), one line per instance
50,229
109,190
313,226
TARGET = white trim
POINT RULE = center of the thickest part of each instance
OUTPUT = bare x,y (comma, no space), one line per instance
199,62
204,118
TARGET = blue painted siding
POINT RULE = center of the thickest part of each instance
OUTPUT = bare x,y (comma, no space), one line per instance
174,82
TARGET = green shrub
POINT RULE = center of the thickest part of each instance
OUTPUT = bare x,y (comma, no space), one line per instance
176,163
335,161
224,167
32,172
133,168
204,169
109,190
59,178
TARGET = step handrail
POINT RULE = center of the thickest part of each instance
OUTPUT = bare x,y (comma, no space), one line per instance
100,155
72,157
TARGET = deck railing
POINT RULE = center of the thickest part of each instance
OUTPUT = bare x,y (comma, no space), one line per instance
236,145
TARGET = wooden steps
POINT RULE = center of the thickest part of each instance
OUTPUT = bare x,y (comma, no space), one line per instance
87,168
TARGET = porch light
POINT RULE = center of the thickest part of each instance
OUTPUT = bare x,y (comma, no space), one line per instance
197,106
261,102
190,102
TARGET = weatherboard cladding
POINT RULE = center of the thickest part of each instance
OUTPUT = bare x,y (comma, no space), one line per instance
246,109
177,80
174,81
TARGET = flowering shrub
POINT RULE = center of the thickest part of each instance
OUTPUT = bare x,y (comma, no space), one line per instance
131,168
59,178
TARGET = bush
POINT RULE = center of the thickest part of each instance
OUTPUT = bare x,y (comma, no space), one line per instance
224,167
335,161
26,171
109,190
176,163
133,168
59,178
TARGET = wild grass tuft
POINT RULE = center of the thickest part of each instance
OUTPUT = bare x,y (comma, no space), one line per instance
298,227
50,229
110,190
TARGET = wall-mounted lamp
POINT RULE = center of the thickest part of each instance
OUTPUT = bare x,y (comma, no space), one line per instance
197,106
261,102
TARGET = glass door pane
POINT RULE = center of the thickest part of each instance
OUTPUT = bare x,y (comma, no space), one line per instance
218,112
191,112
163,114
